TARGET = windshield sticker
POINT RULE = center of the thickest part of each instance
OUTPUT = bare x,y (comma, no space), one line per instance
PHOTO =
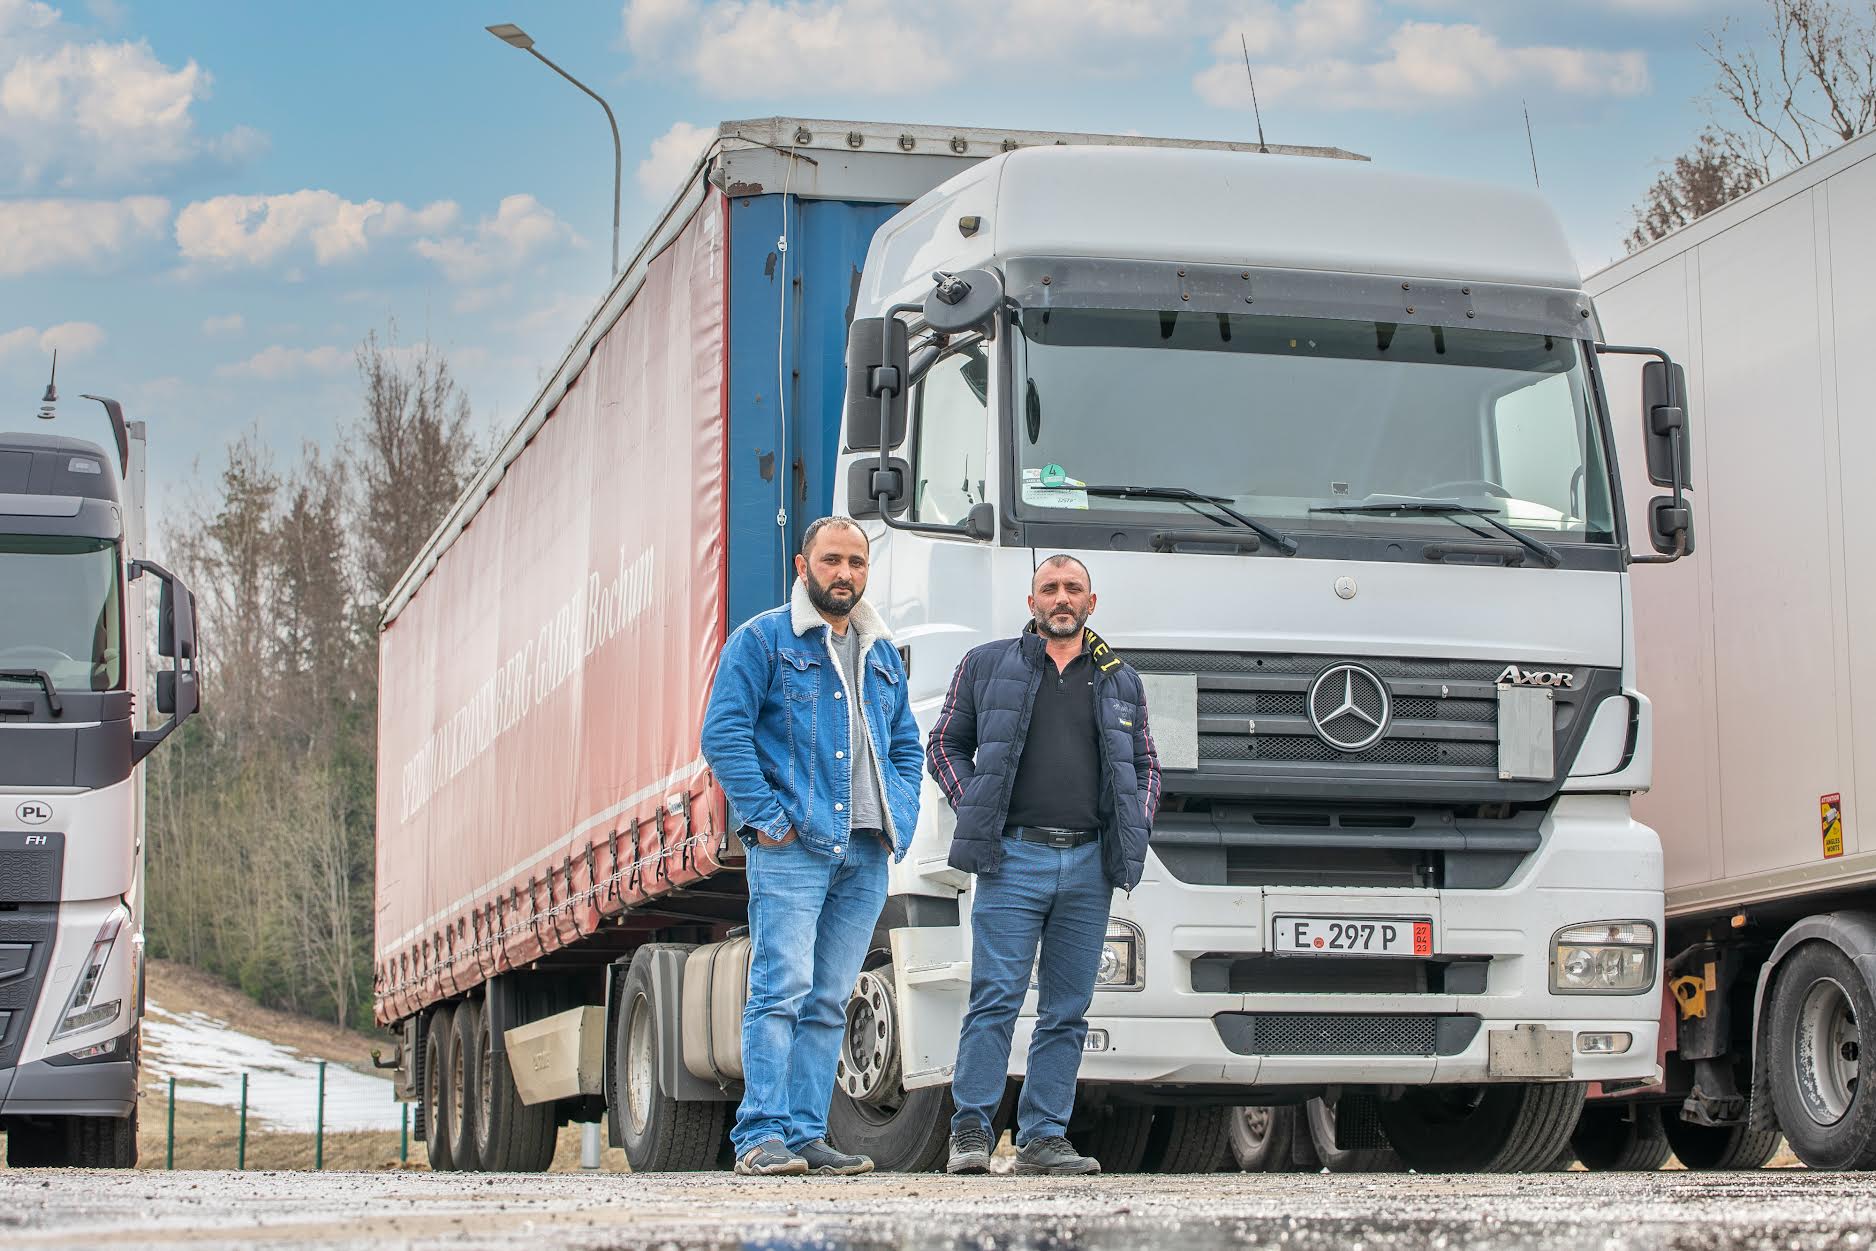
1051,487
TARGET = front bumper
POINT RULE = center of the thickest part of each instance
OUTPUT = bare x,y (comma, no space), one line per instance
43,1089
1594,863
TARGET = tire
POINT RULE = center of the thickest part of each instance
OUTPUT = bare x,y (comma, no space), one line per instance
872,1113
1717,1148
1511,1128
1188,1140
1620,1138
510,1136
1262,1138
103,1141
38,1144
459,1090
1822,1018
1117,1137
438,1041
1315,1147
660,1134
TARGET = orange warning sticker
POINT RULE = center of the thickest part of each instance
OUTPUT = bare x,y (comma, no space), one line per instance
1830,812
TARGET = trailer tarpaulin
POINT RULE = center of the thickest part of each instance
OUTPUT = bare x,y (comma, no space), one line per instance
542,695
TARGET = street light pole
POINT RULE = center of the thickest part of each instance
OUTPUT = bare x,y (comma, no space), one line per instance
515,37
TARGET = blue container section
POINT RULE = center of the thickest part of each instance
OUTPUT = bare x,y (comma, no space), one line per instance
788,318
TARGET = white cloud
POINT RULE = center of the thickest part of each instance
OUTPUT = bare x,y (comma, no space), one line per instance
762,47
233,323
71,338
51,234
76,112
672,155
1419,63
258,229
286,362
521,228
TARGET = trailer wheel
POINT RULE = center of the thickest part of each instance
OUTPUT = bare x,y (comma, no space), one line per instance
436,1061
1116,1136
1620,1138
660,1134
1821,1016
510,1136
1262,1138
1315,1145
872,1113
1189,1139
1511,1128
461,1078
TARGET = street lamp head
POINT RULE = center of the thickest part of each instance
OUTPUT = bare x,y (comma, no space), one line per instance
513,35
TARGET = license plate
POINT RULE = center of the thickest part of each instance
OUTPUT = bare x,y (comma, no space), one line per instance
1353,936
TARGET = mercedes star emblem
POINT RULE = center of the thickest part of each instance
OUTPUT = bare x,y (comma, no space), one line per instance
1350,707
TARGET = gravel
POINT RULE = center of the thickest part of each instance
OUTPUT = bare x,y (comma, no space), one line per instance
1791,1210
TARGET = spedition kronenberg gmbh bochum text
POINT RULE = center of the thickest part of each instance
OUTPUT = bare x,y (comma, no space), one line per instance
586,621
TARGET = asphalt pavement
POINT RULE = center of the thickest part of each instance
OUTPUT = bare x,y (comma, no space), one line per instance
1786,1209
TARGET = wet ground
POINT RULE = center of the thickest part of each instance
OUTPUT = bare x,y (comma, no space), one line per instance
1791,1210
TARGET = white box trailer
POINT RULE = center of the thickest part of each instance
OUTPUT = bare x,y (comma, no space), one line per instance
1760,657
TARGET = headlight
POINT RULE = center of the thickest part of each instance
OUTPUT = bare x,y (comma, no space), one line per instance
1121,967
1603,957
80,1013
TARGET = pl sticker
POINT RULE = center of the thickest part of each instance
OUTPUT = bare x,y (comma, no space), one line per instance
1051,487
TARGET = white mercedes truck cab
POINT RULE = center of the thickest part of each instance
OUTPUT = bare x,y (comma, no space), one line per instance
1332,442
72,670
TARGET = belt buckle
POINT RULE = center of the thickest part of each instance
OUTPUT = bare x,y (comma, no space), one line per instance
1061,839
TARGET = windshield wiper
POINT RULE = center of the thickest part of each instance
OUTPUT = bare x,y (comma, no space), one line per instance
44,679
1447,508
1191,498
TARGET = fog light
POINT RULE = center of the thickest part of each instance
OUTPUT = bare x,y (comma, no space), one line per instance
1603,957
1603,1044
1095,1041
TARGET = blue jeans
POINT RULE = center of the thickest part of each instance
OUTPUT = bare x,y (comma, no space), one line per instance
1058,899
811,920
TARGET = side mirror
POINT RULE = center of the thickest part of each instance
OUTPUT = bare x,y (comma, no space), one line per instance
964,301
876,367
1664,425
166,692
1671,525
178,690
981,522
866,482
166,621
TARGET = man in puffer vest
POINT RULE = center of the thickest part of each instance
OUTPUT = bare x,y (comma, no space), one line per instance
810,736
1042,749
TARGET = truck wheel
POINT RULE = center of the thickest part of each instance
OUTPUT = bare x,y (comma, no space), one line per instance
1261,1138
464,1090
872,1113
1620,1138
1511,1128
660,1134
1822,1013
1116,1136
1188,1140
1717,1148
104,1141
1315,1146
436,1060
510,1136
38,1144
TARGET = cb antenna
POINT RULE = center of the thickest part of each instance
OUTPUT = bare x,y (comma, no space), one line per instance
1531,143
51,397
1255,111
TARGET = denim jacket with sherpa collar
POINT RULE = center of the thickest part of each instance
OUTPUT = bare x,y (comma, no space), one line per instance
778,735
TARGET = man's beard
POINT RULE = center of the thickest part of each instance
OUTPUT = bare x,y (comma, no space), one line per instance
1046,623
822,597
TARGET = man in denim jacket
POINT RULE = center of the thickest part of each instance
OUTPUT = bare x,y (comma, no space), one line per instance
810,735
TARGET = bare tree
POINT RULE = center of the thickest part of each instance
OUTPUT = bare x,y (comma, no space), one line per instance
1809,86
1696,183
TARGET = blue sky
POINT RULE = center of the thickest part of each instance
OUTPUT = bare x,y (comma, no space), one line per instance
207,205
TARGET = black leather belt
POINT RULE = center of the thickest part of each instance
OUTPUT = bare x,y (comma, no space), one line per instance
1049,836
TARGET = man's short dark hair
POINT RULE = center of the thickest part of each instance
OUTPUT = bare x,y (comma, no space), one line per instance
1062,558
821,523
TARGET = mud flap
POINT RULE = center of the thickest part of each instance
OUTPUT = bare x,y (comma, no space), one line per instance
931,972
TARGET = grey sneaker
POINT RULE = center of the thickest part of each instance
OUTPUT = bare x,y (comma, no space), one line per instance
1055,1156
970,1151
770,1158
823,1159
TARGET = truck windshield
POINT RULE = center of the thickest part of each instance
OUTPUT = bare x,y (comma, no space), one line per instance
61,610
1281,416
